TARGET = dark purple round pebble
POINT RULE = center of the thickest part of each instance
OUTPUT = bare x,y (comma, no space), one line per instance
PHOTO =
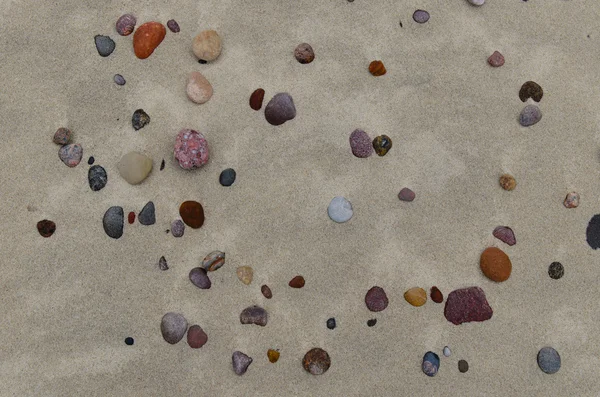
421,16
376,299
199,278
173,26
280,109
360,144
119,80
266,291
125,24
406,194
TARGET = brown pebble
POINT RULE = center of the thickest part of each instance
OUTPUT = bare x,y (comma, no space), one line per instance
495,264
316,361
572,200
266,291
245,274
496,59
254,315
297,282
376,299
256,99
62,136
436,295
192,214
377,69
508,182
273,355
147,37
46,228
416,296
196,337
406,194
463,366
531,89
304,53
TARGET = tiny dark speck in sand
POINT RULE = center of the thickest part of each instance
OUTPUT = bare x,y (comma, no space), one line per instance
162,165
202,61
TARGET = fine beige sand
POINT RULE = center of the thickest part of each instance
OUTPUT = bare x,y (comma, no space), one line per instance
69,301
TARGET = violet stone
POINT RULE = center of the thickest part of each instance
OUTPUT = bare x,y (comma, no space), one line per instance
199,278
254,315
376,299
177,228
466,305
421,16
360,143
173,26
191,149
505,234
530,115
125,24
240,362
70,154
406,194
280,109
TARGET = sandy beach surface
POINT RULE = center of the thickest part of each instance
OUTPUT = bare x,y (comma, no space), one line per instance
70,300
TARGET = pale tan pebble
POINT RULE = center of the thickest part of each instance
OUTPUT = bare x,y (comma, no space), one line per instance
245,274
207,45
198,88
134,167
416,296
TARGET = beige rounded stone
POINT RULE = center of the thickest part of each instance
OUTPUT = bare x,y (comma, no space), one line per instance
416,296
198,88
207,45
134,167
245,274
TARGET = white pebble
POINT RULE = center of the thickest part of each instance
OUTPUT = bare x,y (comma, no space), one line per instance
477,2
447,351
340,210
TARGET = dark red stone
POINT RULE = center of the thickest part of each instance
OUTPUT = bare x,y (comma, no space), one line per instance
46,228
297,282
131,217
466,305
376,299
196,337
436,295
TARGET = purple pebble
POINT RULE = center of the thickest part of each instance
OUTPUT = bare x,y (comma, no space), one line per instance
360,143
173,26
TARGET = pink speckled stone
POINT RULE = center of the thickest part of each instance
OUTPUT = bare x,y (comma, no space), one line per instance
191,149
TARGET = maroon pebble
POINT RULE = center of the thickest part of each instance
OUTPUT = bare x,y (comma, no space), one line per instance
173,26
46,227
376,299
266,291
466,305
196,337
406,194
125,24
496,59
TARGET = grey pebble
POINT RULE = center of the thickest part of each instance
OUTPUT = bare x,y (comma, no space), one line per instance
549,360
177,228
104,44
447,351
162,263
340,209
240,362
227,177
119,80
280,109
113,222
431,364
199,278
530,115
173,327
421,16
147,215
254,315
97,178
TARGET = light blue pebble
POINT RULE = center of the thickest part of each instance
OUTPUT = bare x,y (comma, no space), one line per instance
340,210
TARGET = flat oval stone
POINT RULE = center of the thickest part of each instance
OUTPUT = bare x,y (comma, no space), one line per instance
463,366
240,362
431,364
376,299
46,227
416,296
118,79
131,217
191,149
297,282
207,45
266,291
177,228
556,270
340,209
571,200
505,234
173,327
406,194
62,136
134,167
421,16
254,315
256,99
104,44
147,215
245,274
548,360
196,337
280,109
531,89
213,261
114,221
192,214
530,115
147,37
199,278
140,119
382,144
316,361
495,264
360,144
436,295
377,68
227,177
466,305
304,53
97,178
447,351
70,154
273,355
173,26
496,59
126,24
198,88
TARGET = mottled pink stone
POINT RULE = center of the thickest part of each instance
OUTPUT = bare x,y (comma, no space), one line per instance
467,304
191,149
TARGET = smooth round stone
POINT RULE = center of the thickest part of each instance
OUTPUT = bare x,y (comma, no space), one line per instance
495,264
316,361
245,274
129,341
177,228
147,215
371,322
198,88
377,68
147,38
131,217
173,26
240,362
191,149
134,167
196,337
376,299
297,282
477,2
331,323
126,24
530,115
173,327
304,53
140,119
192,214
227,177
97,178
382,144
463,366
207,45
70,154
508,182
360,143
113,221
46,227
254,315
62,136
213,261
496,59
447,351
556,270
266,291
256,99
199,278
421,16
416,296
406,194
571,200
431,364
531,89
436,295
280,109
549,360
91,160
339,210
119,80
104,44
592,232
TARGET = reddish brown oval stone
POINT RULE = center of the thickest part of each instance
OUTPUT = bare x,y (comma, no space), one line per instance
46,227
376,299
297,282
196,337
436,295
256,99
131,217
495,264
266,291
192,214
147,37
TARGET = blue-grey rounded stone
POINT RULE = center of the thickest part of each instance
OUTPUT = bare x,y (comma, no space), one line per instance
227,177
147,215
340,209
549,360
97,177
173,327
113,221
119,80
104,44
530,115
431,364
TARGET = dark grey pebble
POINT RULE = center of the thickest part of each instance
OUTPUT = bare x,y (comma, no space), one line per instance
227,177
119,80
162,263
97,177
280,109
549,360
593,232
556,270
173,326
240,362
139,119
371,322
331,323
530,115
104,44
463,366
421,16
162,164
173,26
91,160
147,215
199,278
254,315
113,221
431,364
177,228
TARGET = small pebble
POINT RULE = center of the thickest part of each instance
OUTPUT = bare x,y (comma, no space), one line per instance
297,282
496,59
331,323
549,360
125,24
530,115
463,366
46,228
447,351
436,295
280,109
256,99
199,278
339,209
592,232
505,234
371,322
227,177
316,361
177,228
173,26
113,222
376,68
62,136
254,315
376,299
508,182
162,264
531,89
147,38
477,2
91,160
119,80
273,355
304,53
198,89
556,270
192,214
134,167
406,194
382,144
360,144
207,45
196,337
129,341
266,291
241,362
416,296
104,44
70,154
140,119
131,217
202,62
191,149
495,264
431,364
213,261
162,164
572,200
97,177
466,305
421,16
173,327
245,274
147,215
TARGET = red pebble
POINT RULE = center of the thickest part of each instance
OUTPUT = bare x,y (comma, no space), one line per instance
436,295
131,217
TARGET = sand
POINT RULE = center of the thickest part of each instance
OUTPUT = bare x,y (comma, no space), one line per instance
69,301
